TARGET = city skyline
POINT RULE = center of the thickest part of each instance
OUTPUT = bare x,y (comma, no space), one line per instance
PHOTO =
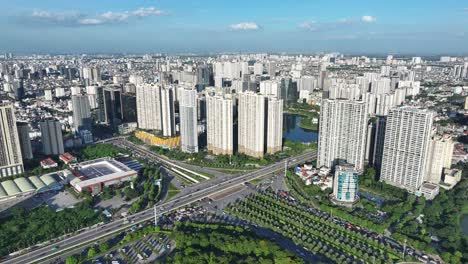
165,26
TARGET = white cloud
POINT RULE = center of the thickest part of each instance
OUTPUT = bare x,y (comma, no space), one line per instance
368,19
347,20
77,19
308,25
90,21
245,26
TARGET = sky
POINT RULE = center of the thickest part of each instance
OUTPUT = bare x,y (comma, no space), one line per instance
211,26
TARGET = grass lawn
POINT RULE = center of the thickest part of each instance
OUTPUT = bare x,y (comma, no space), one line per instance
256,181
171,192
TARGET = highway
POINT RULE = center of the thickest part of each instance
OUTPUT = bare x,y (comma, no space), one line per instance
190,195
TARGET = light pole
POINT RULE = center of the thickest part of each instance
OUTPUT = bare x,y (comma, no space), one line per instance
155,216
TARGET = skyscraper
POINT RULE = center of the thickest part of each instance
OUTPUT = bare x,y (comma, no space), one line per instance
81,112
149,106
188,120
24,140
406,147
252,122
274,132
10,151
155,108
112,100
260,124
52,139
168,111
220,124
342,133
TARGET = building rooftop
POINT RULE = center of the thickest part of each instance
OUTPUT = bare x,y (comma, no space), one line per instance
100,170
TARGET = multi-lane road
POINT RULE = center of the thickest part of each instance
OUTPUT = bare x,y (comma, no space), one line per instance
190,195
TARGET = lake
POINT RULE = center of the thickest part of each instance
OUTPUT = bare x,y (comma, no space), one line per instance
293,132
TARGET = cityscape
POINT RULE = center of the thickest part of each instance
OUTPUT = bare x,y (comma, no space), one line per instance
190,133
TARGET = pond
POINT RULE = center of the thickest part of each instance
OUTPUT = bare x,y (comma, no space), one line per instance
293,132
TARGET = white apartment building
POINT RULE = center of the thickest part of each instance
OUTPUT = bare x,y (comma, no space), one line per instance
220,124
406,147
188,120
11,162
342,133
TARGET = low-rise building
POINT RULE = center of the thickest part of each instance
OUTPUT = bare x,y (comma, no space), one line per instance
93,175
48,163
429,190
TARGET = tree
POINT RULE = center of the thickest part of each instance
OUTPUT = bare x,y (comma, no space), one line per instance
91,252
73,259
104,247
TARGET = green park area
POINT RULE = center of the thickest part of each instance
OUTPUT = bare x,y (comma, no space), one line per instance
235,162
200,243
216,243
383,207
313,230
24,228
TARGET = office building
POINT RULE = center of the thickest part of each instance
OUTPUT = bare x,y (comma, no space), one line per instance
24,140
345,185
112,105
129,108
342,133
81,112
406,147
440,157
188,120
52,139
11,162
220,124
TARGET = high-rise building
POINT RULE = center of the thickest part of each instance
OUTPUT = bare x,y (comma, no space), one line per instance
406,147
11,162
289,92
274,132
345,185
52,139
342,133
129,108
271,87
81,112
258,68
168,111
112,100
188,120
220,124
155,108
378,142
440,157
24,140
149,106
260,124
252,119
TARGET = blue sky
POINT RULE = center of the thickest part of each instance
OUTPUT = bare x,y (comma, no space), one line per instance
140,26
